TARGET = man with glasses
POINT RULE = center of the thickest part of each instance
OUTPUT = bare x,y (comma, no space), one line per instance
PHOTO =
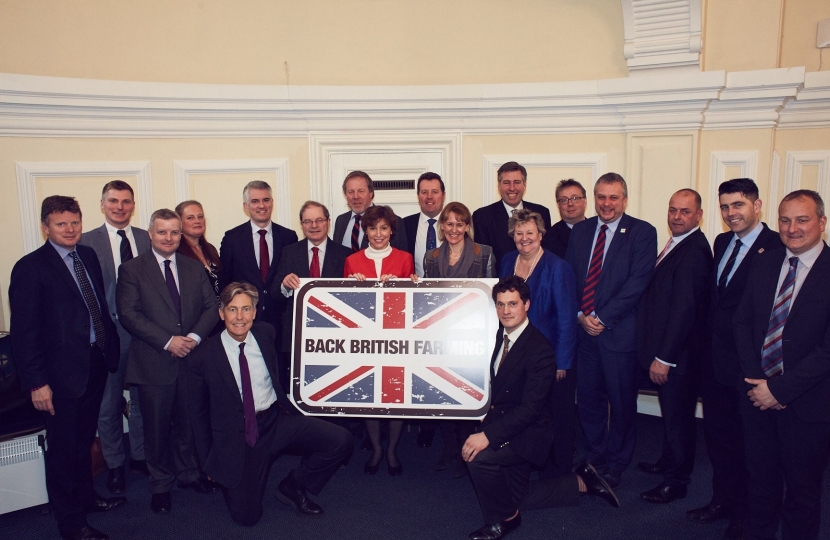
572,202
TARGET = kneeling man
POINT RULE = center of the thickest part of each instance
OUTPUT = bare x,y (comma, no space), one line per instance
242,420
516,433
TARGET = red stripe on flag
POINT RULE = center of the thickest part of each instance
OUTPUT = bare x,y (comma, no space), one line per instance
435,317
455,381
392,384
394,304
339,383
331,312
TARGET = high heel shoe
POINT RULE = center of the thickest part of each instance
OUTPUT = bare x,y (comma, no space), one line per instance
392,469
372,469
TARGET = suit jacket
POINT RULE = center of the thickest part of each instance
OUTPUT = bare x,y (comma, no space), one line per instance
805,384
671,319
411,225
482,267
723,353
520,412
552,303
629,263
294,260
398,263
50,322
490,227
398,240
147,312
99,240
215,405
556,239
239,264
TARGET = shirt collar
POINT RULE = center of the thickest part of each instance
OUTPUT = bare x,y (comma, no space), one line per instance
161,259
516,332
611,226
510,209
113,230
231,343
678,239
808,258
62,251
425,218
321,247
256,228
750,237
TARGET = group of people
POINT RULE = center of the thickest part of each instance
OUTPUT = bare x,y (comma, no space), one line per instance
588,308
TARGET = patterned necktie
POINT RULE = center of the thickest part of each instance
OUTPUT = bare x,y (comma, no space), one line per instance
248,408
730,263
314,269
431,241
587,305
264,258
172,289
126,250
772,355
503,352
665,251
356,233
91,301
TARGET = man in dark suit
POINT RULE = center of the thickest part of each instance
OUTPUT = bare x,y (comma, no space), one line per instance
64,342
782,334
572,201
490,222
114,242
359,192
168,305
242,420
671,322
251,253
516,434
613,257
740,209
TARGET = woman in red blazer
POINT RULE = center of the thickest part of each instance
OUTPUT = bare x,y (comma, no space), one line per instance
380,261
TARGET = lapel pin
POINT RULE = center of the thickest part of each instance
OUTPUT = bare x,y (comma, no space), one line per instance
761,250
622,231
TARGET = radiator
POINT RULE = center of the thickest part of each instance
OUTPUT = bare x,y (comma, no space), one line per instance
22,474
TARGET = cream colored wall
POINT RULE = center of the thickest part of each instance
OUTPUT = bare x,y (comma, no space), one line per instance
741,35
798,38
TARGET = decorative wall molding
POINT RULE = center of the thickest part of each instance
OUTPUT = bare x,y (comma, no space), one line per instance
276,166
491,164
28,174
662,36
747,161
770,214
797,160
36,106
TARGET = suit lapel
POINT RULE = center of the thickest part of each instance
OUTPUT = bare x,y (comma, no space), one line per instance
302,261
818,273
616,245
154,275
60,267
269,354
100,236
514,353
248,249
223,366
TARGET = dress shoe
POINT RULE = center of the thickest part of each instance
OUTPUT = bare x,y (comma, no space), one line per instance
735,530
366,444
443,463
394,470
160,503
85,533
139,466
200,485
103,504
497,530
116,484
596,485
651,468
613,479
291,493
425,437
372,469
459,467
710,513
664,493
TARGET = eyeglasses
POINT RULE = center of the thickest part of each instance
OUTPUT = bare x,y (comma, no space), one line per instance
565,200
318,221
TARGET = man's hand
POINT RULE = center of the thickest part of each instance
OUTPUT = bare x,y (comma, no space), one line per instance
180,346
590,324
42,399
658,372
762,397
474,444
291,282
561,374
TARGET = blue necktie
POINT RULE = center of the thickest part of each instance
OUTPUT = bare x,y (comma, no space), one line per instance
772,354
431,241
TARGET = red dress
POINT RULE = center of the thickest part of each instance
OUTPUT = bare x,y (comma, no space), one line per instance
398,263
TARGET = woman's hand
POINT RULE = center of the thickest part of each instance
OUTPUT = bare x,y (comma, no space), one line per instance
386,277
414,278
358,276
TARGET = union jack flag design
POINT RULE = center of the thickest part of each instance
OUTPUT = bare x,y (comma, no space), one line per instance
398,350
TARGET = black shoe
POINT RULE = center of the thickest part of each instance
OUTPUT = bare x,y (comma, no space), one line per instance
104,504
709,513
613,479
735,530
371,469
497,530
367,444
425,437
85,533
139,466
664,493
651,468
596,485
291,493
443,463
116,484
200,485
459,467
394,470
161,503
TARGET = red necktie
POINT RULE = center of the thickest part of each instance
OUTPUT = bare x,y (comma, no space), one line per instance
314,269
264,259
587,305
248,407
664,252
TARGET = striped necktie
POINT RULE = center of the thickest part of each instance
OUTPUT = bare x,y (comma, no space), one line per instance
772,354
587,305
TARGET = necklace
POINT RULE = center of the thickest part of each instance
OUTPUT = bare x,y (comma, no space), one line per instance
532,265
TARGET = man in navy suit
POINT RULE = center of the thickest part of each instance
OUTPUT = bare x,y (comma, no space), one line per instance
251,253
490,222
359,191
782,334
114,242
572,201
64,342
613,257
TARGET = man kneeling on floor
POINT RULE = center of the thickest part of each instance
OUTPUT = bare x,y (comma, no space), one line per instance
242,420
516,433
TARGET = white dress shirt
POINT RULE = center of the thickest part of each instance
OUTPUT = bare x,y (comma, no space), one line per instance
115,243
514,336
263,388
269,239
805,262
421,242
347,237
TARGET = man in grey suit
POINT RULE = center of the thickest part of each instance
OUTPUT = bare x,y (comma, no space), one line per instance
166,302
115,242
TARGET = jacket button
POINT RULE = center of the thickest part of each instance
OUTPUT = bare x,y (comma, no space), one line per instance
492,406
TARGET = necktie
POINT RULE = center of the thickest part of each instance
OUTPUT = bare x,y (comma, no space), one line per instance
91,301
172,289
665,250
251,428
772,356
356,233
314,269
587,305
431,241
264,258
503,352
730,263
126,250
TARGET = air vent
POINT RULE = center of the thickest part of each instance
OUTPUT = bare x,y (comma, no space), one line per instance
393,185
